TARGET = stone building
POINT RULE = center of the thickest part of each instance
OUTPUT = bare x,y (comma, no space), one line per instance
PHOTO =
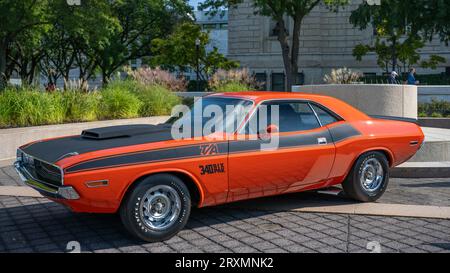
327,41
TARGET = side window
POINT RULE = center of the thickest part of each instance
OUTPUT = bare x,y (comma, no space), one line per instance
292,117
324,116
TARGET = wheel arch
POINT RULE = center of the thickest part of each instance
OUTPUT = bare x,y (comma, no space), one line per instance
192,183
389,155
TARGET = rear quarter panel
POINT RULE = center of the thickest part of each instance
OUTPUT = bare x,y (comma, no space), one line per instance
391,137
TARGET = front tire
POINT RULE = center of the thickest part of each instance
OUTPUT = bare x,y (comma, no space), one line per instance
369,177
157,208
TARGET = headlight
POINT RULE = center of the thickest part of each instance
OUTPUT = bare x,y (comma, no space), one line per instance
19,156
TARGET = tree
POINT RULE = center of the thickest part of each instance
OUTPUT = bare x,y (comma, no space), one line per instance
18,18
76,31
398,25
26,53
435,19
140,22
295,10
178,52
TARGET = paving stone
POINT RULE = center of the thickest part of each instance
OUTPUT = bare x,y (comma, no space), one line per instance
38,225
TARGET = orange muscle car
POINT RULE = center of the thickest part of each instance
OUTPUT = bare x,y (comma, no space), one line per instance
153,178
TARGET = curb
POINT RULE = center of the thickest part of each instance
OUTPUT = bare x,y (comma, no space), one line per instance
422,170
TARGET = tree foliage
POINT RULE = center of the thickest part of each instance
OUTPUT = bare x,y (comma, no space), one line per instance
22,24
97,36
179,51
435,19
399,27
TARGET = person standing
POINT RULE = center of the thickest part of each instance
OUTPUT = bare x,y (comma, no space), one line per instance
412,77
393,78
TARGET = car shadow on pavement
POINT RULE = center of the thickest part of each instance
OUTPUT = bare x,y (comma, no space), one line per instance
51,227
292,201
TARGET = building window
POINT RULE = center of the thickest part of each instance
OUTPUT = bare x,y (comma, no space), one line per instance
278,82
447,71
261,79
209,26
300,80
223,26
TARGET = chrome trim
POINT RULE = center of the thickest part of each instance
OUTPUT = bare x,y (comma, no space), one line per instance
67,155
66,192
322,141
315,114
51,164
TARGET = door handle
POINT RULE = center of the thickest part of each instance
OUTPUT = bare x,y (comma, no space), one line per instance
322,141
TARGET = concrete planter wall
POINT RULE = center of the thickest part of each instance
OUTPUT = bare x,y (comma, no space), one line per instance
384,100
443,123
11,139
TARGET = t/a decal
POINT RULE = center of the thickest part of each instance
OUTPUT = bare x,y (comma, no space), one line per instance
212,168
210,149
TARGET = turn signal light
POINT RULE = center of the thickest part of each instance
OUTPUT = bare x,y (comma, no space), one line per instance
97,184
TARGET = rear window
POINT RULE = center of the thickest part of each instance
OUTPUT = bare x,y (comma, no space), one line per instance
324,116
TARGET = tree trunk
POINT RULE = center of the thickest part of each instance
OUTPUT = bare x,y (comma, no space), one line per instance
105,77
285,50
295,51
394,54
3,78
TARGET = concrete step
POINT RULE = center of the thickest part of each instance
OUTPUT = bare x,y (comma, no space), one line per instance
436,147
422,170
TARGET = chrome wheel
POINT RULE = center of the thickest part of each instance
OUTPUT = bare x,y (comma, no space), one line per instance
160,207
372,175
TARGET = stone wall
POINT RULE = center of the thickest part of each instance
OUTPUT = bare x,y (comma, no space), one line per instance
327,42
382,100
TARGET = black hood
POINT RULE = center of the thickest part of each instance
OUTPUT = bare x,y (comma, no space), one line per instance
91,140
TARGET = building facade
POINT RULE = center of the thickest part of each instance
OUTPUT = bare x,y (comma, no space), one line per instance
327,42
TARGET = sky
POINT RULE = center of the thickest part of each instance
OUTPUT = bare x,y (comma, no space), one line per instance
194,3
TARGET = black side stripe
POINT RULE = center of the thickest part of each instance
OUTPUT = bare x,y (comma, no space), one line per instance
292,141
146,157
343,132
335,134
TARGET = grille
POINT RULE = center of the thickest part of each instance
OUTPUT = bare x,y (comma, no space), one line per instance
44,172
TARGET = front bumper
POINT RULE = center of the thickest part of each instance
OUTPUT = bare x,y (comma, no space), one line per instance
48,190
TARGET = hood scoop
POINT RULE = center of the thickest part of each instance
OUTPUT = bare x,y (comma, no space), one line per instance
121,131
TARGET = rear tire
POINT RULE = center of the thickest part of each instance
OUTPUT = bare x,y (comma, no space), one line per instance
369,177
157,208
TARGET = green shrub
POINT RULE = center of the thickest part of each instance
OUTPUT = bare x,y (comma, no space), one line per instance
20,107
435,109
26,107
80,106
118,103
156,100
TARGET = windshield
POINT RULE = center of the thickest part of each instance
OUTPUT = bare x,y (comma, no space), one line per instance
210,115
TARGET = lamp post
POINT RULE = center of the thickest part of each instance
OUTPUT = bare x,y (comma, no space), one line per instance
197,49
